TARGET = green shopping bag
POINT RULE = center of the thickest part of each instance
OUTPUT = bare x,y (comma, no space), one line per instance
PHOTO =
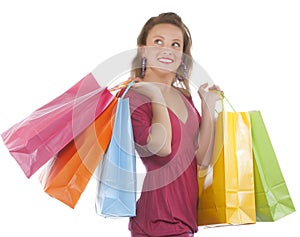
272,197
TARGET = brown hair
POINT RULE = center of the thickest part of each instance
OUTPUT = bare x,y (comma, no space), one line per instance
174,19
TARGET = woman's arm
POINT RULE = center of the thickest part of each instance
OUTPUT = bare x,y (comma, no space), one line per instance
207,125
160,136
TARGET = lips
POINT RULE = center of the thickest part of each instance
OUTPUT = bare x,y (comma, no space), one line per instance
165,60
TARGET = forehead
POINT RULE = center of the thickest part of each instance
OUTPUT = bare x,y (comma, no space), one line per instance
166,30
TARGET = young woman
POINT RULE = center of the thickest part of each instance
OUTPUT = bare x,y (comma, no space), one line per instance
171,137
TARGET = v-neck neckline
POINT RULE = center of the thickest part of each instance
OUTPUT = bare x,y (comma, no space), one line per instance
184,100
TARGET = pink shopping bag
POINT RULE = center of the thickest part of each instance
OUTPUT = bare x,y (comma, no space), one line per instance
36,139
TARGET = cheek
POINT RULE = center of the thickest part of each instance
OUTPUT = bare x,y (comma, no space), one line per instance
151,55
152,51
178,56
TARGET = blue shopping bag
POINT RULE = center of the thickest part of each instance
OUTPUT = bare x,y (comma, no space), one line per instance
116,194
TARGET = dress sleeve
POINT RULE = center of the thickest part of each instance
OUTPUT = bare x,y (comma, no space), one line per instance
141,117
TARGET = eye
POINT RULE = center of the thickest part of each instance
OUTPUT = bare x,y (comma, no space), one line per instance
158,42
175,44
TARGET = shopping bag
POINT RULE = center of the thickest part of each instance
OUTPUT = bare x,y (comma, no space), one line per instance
67,175
226,189
272,197
36,139
116,195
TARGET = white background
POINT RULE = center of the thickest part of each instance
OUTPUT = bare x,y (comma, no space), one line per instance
250,48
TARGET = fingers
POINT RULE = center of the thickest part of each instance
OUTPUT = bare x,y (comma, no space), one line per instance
212,88
216,88
204,91
203,86
137,79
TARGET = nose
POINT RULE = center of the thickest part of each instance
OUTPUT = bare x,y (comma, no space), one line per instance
167,51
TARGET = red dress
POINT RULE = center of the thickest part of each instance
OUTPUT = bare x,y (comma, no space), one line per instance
168,202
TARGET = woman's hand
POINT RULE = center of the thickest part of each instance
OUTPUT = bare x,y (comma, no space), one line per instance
210,95
149,89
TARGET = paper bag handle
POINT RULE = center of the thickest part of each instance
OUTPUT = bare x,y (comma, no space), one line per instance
125,84
222,96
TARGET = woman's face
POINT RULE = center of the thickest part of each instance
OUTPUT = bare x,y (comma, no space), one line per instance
164,48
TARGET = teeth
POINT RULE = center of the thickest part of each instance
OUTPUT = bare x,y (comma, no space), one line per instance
165,60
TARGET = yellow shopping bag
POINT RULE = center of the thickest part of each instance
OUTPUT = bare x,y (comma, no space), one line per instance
226,188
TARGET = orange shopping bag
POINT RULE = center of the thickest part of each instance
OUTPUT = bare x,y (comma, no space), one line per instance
68,174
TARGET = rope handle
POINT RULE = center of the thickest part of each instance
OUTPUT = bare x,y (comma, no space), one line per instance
121,85
127,88
125,84
222,96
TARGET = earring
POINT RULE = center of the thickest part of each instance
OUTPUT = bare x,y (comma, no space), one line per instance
184,70
144,60
181,78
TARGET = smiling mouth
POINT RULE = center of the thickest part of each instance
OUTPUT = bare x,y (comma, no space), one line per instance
166,60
